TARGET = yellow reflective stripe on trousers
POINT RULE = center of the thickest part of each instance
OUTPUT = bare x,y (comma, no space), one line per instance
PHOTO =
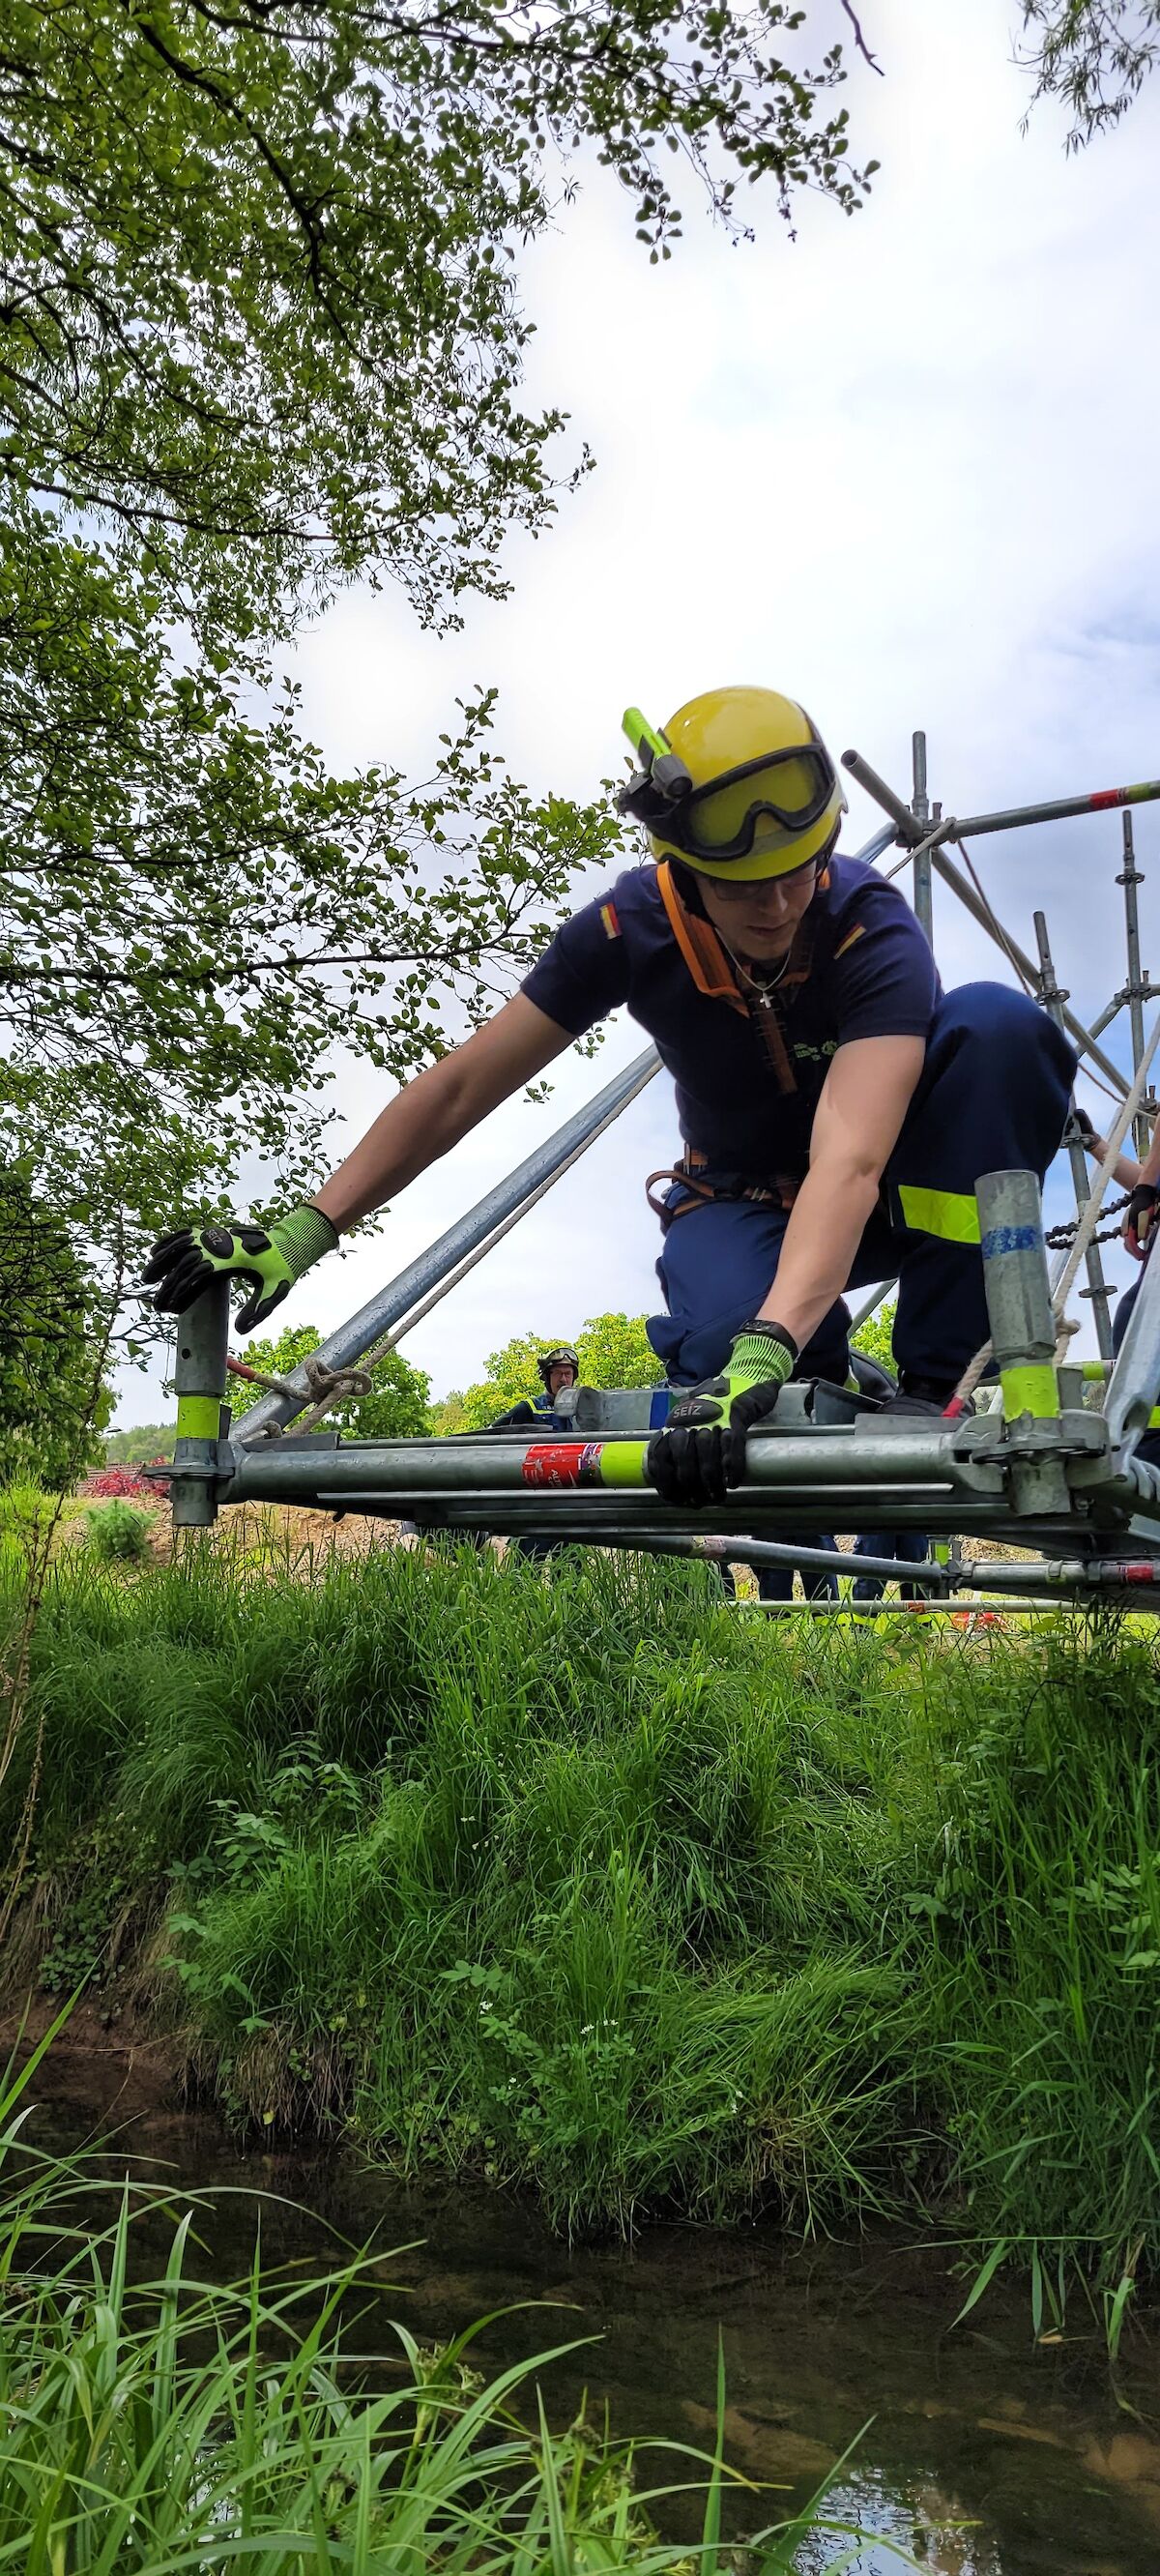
1029,1390
198,1417
953,1214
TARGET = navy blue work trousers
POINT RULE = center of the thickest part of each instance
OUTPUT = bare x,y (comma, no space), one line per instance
993,1096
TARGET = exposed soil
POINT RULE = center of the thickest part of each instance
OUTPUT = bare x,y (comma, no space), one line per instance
114,2064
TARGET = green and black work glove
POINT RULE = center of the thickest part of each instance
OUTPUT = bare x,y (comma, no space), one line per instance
1140,1218
701,1451
182,1265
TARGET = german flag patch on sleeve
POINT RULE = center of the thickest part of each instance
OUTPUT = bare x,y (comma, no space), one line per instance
609,919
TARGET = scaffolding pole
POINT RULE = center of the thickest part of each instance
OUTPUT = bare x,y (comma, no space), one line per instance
1053,1000
891,804
386,1308
920,809
1136,989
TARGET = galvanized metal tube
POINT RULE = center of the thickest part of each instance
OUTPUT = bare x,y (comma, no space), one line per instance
1059,810
1023,1335
357,1335
1108,1014
1134,1386
1130,877
870,1305
1084,1038
203,1334
1057,1578
822,1463
778,1552
798,1511
920,808
906,829
861,1613
1053,1000
1014,818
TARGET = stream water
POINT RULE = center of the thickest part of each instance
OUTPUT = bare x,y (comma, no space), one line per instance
980,2452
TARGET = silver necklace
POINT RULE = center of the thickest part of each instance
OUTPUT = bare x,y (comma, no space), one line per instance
763,987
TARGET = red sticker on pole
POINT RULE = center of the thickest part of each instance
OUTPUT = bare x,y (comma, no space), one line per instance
563,1462
1121,796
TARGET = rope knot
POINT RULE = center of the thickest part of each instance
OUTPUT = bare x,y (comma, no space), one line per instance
327,1385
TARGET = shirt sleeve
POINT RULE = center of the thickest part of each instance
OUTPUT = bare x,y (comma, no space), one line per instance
887,984
583,975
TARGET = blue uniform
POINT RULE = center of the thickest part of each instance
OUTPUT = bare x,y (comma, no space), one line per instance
749,1071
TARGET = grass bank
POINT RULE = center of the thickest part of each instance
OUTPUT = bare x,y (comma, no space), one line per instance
593,1886
159,2423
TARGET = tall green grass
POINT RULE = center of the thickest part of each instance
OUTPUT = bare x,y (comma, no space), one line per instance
161,2426
587,1883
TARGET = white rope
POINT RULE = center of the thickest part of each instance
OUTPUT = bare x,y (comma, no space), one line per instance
1062,1286
1106,1173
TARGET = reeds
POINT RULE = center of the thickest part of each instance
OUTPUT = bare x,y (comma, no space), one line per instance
156,2426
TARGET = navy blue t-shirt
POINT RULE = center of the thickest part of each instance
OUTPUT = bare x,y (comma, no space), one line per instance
860,968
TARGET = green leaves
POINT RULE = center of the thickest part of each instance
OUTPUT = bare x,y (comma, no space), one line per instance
395,1409
196,913
613,1350
1093,54
260,336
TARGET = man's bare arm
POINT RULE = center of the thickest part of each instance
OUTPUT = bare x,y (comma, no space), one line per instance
866,1095
442,1104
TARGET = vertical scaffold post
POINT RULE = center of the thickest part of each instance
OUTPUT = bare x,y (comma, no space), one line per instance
920,808
1053,999
1134,991
1023,1335
203,1335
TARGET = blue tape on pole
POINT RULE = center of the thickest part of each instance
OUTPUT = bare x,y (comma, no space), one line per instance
1010,1238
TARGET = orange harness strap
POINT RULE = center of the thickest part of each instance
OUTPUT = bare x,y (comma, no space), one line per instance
699,946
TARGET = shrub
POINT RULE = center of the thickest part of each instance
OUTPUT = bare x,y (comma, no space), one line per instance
117,1529
120,1484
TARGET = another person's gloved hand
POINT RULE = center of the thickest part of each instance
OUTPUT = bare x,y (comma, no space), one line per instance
1093,1143
1139,1218
701,1451
182,1265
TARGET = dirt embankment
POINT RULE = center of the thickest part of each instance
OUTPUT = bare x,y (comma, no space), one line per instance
111,2064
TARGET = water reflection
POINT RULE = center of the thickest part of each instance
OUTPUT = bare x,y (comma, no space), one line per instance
981,2455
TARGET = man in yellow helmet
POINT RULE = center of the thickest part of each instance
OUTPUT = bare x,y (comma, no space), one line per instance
835,1108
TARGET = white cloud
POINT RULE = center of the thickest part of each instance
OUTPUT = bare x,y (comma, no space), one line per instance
903,468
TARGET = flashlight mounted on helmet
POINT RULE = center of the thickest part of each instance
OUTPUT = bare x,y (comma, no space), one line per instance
661,780
741,785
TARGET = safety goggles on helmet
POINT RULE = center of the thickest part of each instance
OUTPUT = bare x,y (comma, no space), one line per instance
563,1358
769,801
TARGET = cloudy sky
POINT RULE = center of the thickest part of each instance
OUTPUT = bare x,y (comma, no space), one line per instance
902,468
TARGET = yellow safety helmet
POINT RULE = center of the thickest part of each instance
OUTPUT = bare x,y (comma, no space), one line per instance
739,785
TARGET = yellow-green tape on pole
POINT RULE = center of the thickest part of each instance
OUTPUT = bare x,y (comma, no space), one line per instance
622,1462
198,1417
1030,1390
